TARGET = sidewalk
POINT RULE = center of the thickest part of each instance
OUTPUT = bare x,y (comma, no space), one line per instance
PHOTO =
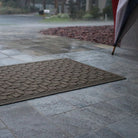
103,111
107,110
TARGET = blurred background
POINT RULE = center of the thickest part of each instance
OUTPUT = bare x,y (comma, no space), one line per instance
60,10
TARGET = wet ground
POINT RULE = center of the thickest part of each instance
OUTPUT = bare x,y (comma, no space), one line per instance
21,33
104,111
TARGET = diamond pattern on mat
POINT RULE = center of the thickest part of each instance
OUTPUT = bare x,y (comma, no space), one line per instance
31,80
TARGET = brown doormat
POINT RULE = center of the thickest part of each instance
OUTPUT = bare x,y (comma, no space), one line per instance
32,80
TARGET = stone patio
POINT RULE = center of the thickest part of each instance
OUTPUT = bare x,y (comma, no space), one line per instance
104,111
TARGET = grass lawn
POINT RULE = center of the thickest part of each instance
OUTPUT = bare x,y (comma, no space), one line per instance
57,18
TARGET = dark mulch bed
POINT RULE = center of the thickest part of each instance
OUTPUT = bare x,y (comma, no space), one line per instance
97,34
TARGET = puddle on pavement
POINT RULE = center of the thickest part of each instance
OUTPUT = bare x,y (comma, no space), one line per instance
45,45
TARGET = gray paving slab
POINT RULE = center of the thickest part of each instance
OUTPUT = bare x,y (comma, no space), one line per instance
53,99
107,112
82,121
2,55
76,122
5,133
51,110
52,105
1,64
1,125
50,57
10,61
10,52
1,46
127,128
79,99
87,135
25,121
126,103
26,58
107,133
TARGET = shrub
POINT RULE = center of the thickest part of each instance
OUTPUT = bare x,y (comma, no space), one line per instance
61,15
87,16
9,3
108,10
10,10
95,12
80,14
72,9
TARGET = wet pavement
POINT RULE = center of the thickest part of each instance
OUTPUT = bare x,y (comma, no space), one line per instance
21,33
104,111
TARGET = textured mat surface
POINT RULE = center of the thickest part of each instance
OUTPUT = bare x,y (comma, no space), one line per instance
32,80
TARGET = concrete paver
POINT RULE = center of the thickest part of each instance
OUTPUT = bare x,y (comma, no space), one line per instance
126,128
107,133
107,110
1,125
25,121
10,61
5,133
2,55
